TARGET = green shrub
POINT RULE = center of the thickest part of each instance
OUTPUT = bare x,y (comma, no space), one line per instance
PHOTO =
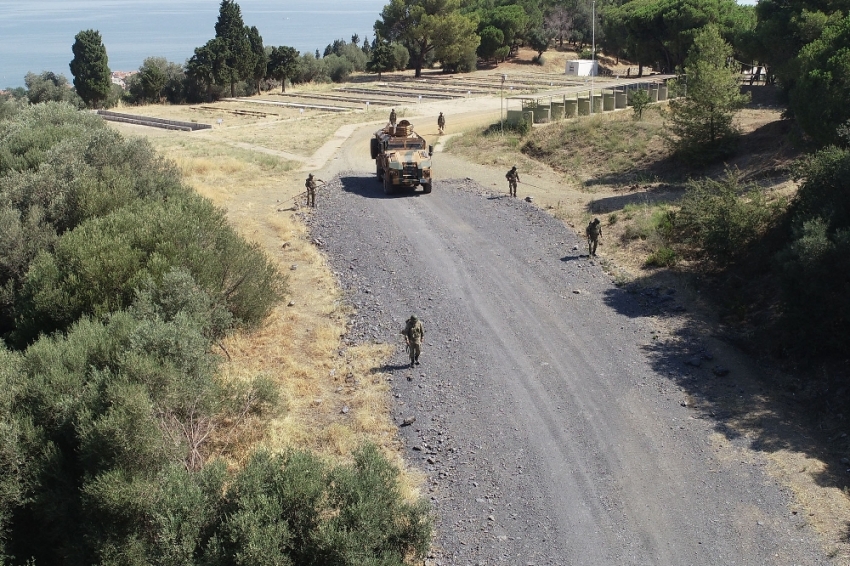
25,140
662,257
814,265
338,68
97,267
15,434
639,100
118,405
721,219
647,222
814,270
294,509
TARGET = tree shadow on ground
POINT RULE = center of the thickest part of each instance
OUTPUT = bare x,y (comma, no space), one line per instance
370,187
771,411
667,170
638,195
762,154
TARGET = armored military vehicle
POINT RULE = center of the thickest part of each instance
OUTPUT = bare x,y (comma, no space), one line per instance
402,158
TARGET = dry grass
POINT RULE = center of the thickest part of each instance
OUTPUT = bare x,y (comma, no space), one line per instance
332,400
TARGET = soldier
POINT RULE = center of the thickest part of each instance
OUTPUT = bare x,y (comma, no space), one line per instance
593,231
414,333
393,119
441,122
311,190
513,178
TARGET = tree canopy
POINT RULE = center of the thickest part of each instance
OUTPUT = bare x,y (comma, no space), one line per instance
661,32
90,68
283,64
702,123
420,24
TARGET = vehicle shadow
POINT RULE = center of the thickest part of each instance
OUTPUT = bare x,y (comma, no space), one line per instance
370,187
767,410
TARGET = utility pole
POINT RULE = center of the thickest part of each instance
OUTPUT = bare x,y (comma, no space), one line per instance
501,99
593,52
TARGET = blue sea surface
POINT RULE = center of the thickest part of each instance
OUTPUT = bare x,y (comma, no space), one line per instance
37,35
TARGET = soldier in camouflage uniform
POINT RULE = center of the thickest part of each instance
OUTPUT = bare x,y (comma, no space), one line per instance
311,190
392,119
513,178
414,333
593,231
441,122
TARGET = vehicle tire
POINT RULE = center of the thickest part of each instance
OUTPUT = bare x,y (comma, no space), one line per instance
375,147
426,188
388,185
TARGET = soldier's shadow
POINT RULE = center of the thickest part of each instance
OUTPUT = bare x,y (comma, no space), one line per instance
386,368
574,257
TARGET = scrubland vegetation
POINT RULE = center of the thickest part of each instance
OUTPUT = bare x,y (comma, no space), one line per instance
119,287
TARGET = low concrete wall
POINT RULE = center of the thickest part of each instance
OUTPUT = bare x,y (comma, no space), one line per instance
597,104
621,99
541,114
570,108
152,122
557,111
608,102
513,117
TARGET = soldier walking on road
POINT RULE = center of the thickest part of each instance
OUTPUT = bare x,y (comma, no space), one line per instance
593,231
414,333
311,190
393,119
513,178
441,122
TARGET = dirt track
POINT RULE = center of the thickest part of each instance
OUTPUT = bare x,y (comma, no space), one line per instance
548,426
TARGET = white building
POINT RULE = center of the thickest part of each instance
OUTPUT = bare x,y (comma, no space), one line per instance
582,68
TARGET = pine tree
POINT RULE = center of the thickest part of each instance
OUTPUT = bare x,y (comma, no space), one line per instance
702,123
283,64
383,58
90,67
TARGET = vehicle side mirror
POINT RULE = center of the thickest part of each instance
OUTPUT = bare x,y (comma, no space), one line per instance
430,150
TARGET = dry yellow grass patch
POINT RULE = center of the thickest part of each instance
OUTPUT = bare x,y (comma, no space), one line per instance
332,397
827,508
333,400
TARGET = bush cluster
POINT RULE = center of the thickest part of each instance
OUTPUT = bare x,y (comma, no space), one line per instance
815,264
116,282
721,219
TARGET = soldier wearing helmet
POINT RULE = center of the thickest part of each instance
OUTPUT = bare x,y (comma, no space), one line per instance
414,333
593,231
311,190
513,178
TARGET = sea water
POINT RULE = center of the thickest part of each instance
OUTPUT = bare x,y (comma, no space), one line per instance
37,35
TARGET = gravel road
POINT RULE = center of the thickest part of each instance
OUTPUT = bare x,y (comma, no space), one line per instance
547,428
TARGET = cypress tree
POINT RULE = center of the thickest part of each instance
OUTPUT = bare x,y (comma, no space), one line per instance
238,60
90,67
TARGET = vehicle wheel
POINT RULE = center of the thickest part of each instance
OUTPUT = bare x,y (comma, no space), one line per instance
374,148
426,188
388,185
